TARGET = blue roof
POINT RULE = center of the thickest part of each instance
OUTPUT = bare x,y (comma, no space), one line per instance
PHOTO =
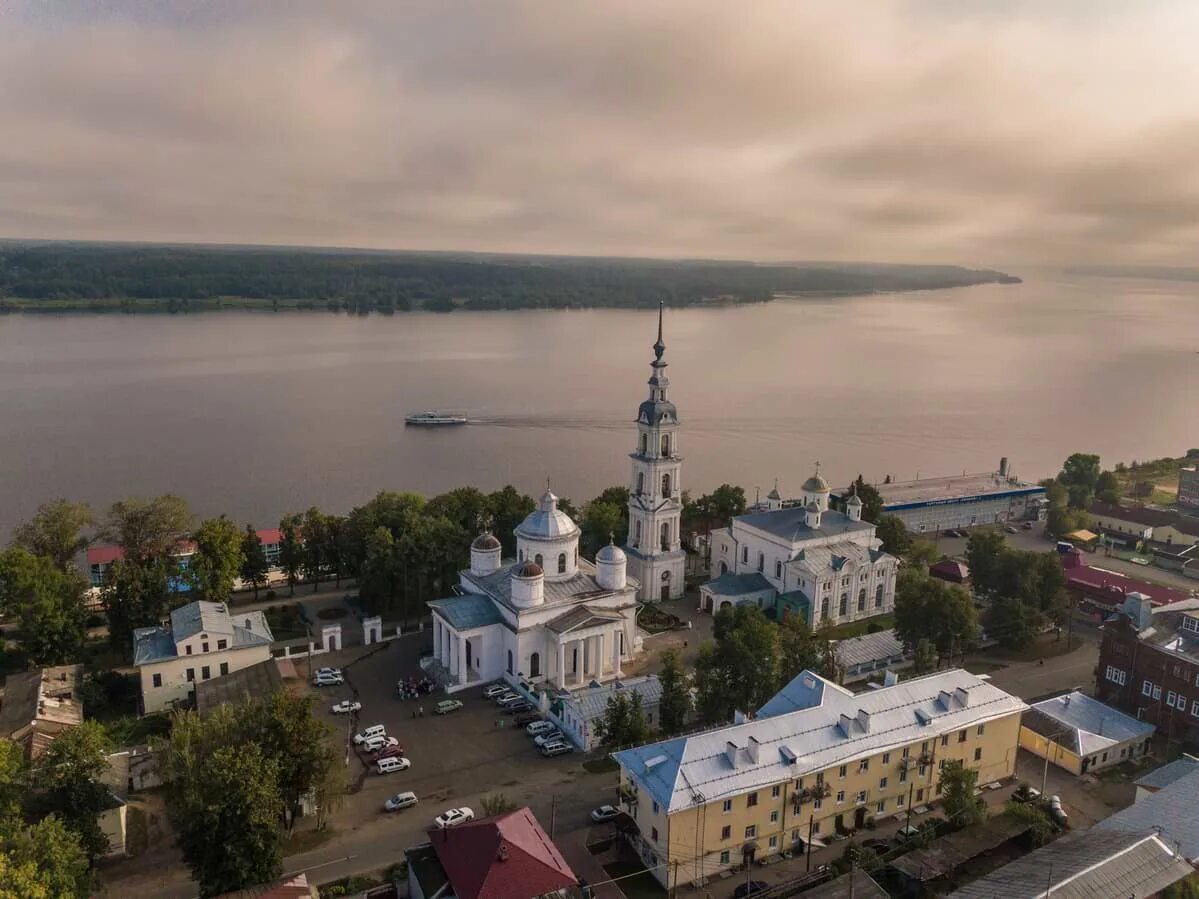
466,612
803,692
738,584
152,644
794,602
789,524
657,767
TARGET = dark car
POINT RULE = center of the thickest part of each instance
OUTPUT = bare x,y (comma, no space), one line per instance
526,719
517,707
875,845
750,889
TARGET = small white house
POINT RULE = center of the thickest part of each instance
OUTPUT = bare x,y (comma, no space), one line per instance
578,712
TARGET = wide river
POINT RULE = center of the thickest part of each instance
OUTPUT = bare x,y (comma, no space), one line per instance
256,414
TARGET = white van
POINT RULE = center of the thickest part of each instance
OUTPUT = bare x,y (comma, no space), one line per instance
549,750
375,730
392,764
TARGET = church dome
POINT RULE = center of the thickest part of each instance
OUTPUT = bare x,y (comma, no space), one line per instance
547,522
854,500
486,542
529,569
816,484
612,554
813,506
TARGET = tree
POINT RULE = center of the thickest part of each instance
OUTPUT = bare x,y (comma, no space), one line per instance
337,545
1012,623
218,558
623,723
925,657
230,836
507,509
741,670
1063,520
872,500
42,861
296,739
316,546
148,529
1142,490
603,522
379,581
1187,888
675,704
496,804
1040,827
800,649
47,602
135,595
962,806
713,697
466,507
254,566
984,552
727,503
1080,476
930,609
922,553
56,531
894,534
1107,488
68,778
291,550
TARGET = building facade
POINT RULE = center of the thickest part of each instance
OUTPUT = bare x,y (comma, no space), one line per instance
817,760
654,547
1127,525
577,713
1188,487
824,564
201,641
1081,734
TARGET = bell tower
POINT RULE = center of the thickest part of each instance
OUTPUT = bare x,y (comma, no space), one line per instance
655,554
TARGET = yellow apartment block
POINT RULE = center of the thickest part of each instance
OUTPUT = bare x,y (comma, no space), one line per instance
816,759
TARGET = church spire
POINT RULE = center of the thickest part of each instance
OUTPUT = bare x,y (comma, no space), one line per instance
659,347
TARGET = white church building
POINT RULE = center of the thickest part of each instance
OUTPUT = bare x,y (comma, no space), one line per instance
549,617
802,559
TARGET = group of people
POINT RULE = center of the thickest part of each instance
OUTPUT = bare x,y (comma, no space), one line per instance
414,687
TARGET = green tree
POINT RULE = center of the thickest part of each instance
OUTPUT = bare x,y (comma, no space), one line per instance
727,503
894,533
623,723
42,861
291,550
1107,488
47,603
337,545
135,594
148,529
872,500
925,657
466,507
984,553
1063,520
316,546
1040,827
1187,888
962,807
379,581
603,522
713,697
1012,623
922,553
291,734
254,566
68,778
742,670
230,836
930,609
507,509
218,558
675,705
495,804
56,531
800,649
1080,477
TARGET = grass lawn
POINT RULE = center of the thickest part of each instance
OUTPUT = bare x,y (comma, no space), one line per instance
285,622
306,840
637,883
858,628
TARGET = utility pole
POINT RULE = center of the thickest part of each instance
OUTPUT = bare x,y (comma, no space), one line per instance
853,869
553,814
811,824
911,790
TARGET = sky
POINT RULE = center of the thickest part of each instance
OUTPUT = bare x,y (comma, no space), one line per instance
947,131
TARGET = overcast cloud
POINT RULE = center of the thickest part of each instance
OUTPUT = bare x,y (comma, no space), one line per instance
976,133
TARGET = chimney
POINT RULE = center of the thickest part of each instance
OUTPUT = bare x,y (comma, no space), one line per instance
501,854
846,725
945,700
751,749
890,678
1003,467
739,717
864,720
963,696
730,752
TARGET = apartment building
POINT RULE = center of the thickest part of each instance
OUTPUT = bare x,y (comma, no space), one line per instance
201,641
816,760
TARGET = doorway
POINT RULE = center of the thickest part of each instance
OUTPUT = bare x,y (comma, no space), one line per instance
859,818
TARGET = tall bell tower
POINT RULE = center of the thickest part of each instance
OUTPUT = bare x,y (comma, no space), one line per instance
656,556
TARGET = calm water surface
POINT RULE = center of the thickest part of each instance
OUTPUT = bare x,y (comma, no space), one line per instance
257,414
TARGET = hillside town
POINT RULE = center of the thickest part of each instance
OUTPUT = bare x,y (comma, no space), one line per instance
969,685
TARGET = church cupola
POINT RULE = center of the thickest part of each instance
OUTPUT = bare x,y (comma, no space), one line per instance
774,500
550,538
528,585
853,507
485,554
610,567
816,490
811,516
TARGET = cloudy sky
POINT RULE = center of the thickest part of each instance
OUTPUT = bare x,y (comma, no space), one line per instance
943,131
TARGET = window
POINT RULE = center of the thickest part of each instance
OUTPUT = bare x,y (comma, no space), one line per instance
1170,697
653,831
535,665
775,792
778,568
726,832
665,445
751,800
844,607
206,672
878,597
773,842
644,446
938,788
655,807
509,661
860,797
886,758
816,827
1157,692
1181,703
840,796
745,554
882,783
820,778
204,646
1104,757
924,746
903,775
881,807
761,561
222,644
795,835
979,730
224,668
1195,709
962,735
1147,688
188,649
843,770
978,754
158,680
920,794
906,752
774,817
724,857
640,483
862,600
728,806
944,739
751,831
191,674
824,608
818,804
561,563
665,486
900,800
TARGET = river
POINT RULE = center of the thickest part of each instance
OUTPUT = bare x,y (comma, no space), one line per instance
256,414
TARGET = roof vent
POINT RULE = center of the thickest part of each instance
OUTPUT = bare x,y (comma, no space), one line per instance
788,754
945,700
923,717
501,854
846,725
963,696
864,720
653,763
732,752
752,748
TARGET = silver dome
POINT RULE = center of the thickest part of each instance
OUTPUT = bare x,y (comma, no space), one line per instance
548,522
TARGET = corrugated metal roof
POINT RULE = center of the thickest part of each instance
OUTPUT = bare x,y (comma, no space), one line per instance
590,703
868,648
1160,778
154,644
730,760
1173,810
788,524
200,617
466,612
730,584
583,616
1097,726
583,585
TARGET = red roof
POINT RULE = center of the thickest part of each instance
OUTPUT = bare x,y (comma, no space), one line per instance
950,570
502,857
270,535
103,554
1112,587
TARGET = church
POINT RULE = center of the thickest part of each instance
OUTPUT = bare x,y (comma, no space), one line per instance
803,558
549,618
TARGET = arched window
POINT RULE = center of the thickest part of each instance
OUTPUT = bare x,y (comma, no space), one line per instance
665,536
640,482
844,604
509,661
724,569
644,444
637,535
878,597
665,486
561,563
535,665
537,558
520,556
862,600
824,608
778,568
761,561
666,445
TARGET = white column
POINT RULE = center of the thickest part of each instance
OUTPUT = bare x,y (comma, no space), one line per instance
599,658
561,664
585,674
616,653
437,639
460,665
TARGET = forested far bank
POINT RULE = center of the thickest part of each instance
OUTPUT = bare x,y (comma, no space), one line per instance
62,277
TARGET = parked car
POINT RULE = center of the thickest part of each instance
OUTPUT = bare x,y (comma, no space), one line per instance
387,752
447,705
906,833
454,816
1012,529
327,680
1056,811
376,743
750,889
876,845
604,813
515,708
393,764
1025,793
375,730
549,736
1027,526
526,719
549,750
400,801
336,672
496,690
504,701
346,706
540,727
